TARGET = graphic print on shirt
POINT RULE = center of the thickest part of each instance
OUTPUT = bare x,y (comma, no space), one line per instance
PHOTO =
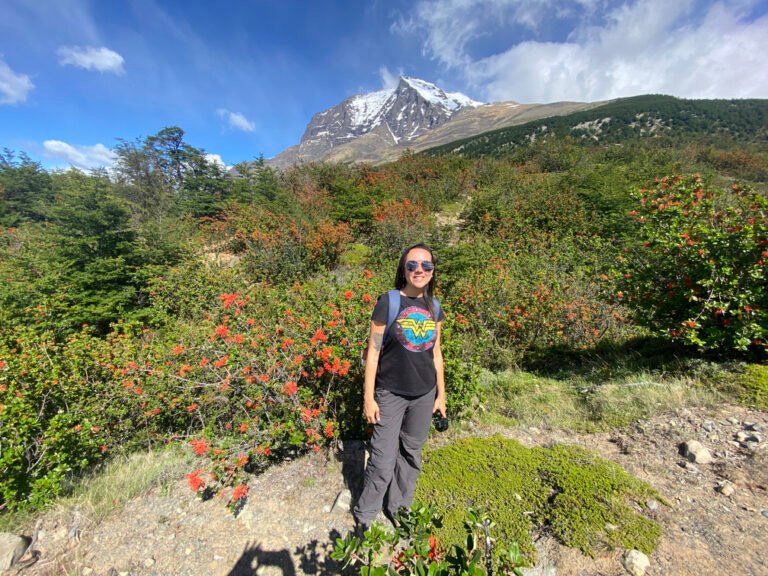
415,329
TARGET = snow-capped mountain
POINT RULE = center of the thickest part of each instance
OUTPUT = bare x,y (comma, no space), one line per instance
416,115
397,116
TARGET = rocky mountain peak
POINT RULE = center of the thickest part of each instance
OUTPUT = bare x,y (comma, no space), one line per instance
397,115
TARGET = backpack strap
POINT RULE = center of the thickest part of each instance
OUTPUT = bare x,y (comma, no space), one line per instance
393,309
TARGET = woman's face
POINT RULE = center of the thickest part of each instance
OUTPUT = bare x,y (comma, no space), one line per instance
418,278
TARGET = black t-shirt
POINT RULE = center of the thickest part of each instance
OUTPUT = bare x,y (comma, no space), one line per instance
406,361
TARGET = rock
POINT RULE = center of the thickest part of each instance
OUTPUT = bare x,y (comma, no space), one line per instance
636,563
12,548
690,467
753,427
696,452
733,420
652,505
149,562
764,513
725,487
741,436
343,502
709,426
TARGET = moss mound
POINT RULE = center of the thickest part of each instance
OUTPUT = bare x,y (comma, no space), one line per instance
582,499
754,386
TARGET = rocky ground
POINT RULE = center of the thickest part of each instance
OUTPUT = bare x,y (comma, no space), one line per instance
716,521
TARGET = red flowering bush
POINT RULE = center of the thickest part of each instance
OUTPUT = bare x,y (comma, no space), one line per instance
398,223
698,271
540,296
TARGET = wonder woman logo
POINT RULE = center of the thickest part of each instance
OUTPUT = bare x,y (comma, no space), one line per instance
415,329
419,328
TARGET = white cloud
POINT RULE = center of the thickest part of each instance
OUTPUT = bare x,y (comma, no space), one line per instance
648,46
84,157
13,87
91,58
236,120
215,159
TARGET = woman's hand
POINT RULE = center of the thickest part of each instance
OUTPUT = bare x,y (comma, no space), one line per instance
371,411
440,406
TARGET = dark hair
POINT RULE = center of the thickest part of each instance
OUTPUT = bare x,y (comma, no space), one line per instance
401,282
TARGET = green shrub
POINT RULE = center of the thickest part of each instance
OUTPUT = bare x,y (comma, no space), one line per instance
582,498
413,548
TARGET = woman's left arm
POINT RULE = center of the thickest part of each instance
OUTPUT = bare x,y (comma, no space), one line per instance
440,373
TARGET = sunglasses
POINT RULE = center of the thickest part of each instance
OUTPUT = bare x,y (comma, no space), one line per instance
426,265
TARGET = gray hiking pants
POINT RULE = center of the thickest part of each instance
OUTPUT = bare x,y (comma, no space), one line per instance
395,459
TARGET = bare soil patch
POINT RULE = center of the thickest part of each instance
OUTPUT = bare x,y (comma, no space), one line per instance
289,523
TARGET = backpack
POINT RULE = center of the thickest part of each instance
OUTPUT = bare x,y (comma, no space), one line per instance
393,309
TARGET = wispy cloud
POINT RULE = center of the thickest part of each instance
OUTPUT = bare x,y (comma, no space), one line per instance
236,120
389,79
649,46
14,87
84,157
91,58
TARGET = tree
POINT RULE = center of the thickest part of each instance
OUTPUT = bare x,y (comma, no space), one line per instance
25,189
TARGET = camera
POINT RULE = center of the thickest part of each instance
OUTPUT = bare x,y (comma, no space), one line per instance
440,422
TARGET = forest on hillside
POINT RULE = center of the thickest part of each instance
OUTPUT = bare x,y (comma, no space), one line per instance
168,300
674,121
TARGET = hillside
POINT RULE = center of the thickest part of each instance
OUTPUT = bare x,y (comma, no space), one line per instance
652,116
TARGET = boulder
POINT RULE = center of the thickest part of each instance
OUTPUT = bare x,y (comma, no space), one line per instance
696,452
12,548
636,563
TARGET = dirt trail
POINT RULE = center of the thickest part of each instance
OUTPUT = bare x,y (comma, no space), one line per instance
288,526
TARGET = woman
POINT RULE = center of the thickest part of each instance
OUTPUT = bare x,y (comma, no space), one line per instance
404,385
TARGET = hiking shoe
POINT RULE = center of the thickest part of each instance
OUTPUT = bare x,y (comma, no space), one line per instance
392,517
360,529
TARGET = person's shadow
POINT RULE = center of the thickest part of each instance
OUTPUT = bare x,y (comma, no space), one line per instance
352,458
254,552
313,557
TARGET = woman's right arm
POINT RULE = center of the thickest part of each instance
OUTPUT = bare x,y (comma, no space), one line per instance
375,342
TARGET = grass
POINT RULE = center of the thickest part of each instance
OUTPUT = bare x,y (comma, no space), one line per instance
593,400
106,489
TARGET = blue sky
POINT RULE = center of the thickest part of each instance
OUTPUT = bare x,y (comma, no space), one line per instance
244,78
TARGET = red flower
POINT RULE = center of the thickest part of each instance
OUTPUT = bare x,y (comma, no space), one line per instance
329,430
222,331
348,294
240,491
221,361
228,299
194,481
178,349
367,297
199,447
238,339
319,336
243,428
290,388
192,407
